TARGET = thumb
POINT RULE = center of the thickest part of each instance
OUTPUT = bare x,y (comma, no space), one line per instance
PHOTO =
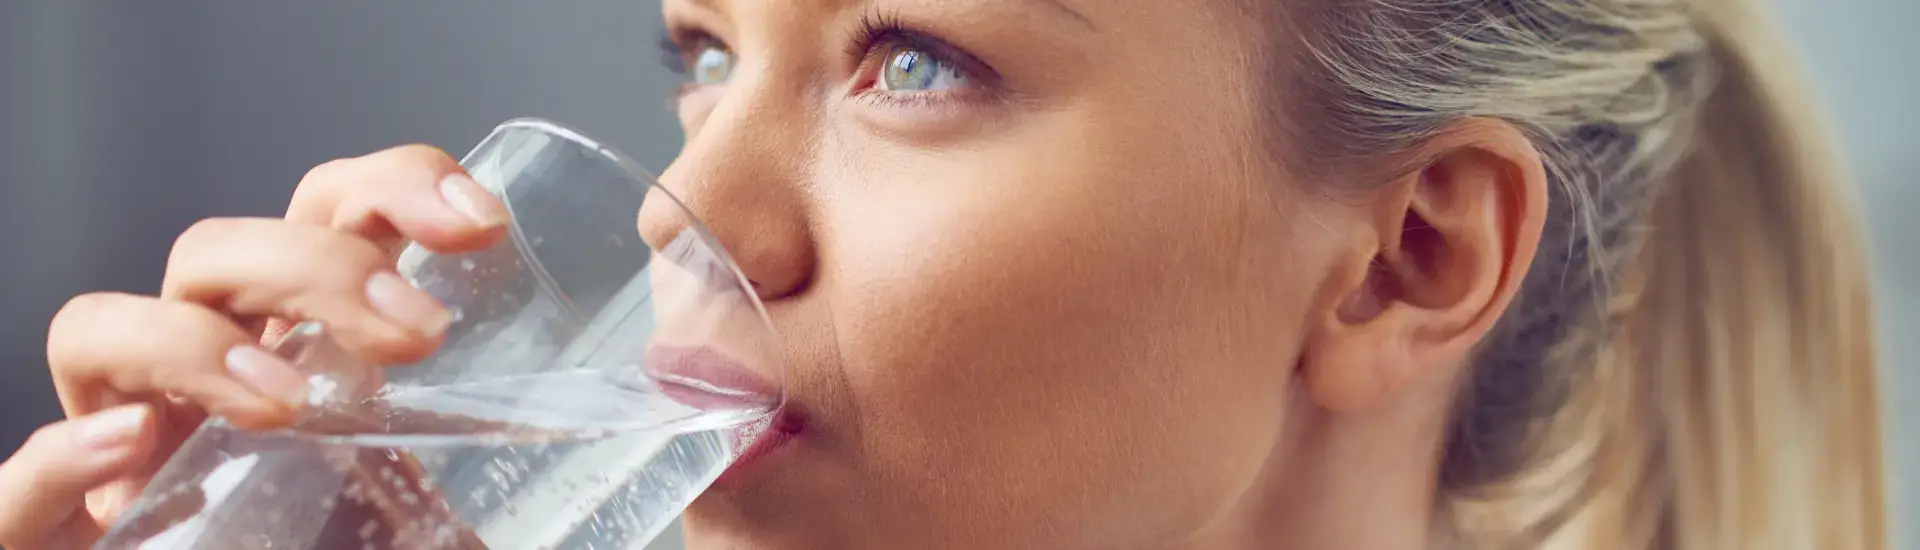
43,487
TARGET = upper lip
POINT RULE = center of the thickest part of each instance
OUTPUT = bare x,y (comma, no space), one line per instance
703,377
707,379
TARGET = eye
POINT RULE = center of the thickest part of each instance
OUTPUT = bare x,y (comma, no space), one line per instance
698,57
900,62
712,65
910,69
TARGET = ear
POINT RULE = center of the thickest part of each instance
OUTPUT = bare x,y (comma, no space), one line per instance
1444,249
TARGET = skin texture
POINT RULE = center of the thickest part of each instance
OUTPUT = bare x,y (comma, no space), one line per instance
1013,304
1076,302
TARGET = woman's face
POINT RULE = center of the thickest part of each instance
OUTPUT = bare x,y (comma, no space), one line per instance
1039,282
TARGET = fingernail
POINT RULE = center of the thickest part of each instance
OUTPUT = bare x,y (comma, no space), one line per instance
267,373
112,428
402,303
472,200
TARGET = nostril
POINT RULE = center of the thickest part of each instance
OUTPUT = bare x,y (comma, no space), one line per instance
761,291
720,276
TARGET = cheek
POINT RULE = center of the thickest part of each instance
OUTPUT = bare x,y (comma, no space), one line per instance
1074,328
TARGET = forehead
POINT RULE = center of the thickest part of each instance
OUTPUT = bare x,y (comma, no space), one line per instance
1221,13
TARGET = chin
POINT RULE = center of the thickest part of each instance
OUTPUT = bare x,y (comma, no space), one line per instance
710,525
772,497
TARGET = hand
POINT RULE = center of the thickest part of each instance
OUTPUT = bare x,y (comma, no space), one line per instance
137,374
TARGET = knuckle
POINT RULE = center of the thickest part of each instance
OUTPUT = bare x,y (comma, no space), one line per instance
423,154
329,265
253,265
84,305
318,190
339,192
186,380
325,173
198,244
43,436
422,163
187,325
345,254
74,321
191,239
180,357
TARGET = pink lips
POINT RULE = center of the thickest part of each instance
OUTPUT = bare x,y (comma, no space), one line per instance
761,438
706,379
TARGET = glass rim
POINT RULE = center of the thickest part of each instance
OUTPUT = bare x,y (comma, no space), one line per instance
639,174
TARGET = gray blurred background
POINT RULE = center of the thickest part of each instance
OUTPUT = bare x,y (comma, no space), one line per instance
122,122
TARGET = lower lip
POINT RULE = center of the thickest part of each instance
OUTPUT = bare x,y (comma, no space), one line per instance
704,379
760,440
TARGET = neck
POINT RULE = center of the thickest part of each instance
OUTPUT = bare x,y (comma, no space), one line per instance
1342,481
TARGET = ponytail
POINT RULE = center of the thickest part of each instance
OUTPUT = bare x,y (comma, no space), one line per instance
1689,364
1753,329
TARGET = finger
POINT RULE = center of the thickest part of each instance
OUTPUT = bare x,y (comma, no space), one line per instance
107,349
176,419
44,484
273,268
415,192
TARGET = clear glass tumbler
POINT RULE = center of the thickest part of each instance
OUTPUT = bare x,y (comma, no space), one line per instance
592,384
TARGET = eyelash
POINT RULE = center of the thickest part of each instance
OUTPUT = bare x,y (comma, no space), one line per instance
672,56
878,33
678,45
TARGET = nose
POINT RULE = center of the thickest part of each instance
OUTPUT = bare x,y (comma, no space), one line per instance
734,184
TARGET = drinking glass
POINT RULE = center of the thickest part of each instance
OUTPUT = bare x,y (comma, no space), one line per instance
593,381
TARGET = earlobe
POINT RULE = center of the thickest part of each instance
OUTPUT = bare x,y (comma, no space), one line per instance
1361,354
1450,244
1359,364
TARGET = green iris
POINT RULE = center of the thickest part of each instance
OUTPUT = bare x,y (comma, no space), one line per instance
910,70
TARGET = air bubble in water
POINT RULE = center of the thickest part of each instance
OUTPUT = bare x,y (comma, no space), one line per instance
521,473
478,496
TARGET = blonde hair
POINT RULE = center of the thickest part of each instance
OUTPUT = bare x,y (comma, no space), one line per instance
1689,364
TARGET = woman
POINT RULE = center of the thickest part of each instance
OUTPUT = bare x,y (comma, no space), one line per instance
1075,274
